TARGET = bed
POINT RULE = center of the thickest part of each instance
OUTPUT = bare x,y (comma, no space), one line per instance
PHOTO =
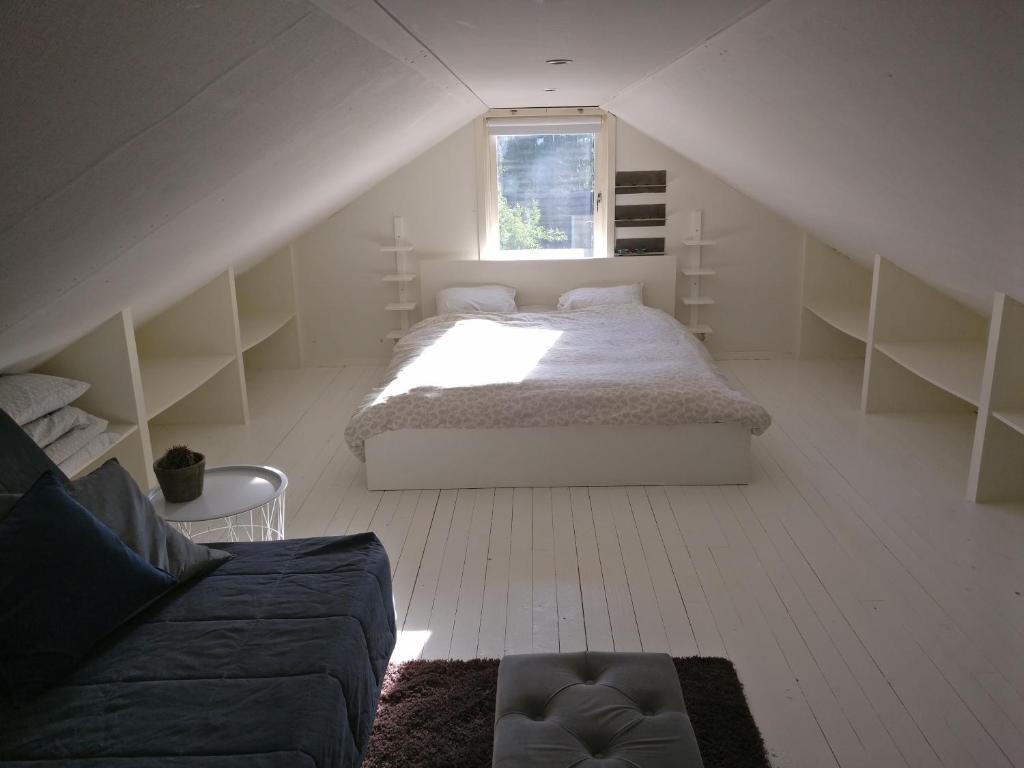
617,395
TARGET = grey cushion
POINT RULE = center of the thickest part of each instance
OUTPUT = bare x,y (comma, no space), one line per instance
21,460
7,500
592,710
111,494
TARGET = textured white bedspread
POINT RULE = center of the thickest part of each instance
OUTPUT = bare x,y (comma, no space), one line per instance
620,364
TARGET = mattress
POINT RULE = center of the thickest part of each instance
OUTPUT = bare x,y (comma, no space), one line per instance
609,365
274,659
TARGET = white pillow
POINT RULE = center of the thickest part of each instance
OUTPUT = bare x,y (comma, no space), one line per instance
27,396
578,298
476,298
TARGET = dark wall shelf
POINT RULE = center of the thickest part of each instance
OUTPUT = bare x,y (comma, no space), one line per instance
637,182
639,246
652,215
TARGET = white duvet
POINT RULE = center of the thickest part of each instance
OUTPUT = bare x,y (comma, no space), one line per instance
620,364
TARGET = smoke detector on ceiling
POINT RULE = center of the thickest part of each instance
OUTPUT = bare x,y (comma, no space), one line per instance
558,62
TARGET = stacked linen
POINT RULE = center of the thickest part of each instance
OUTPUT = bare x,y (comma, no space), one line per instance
41,405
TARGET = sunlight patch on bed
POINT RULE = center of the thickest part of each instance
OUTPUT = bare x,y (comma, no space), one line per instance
474,353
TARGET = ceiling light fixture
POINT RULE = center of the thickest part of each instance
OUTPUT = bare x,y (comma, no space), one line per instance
558,62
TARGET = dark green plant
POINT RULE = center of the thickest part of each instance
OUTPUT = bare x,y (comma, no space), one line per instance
179,457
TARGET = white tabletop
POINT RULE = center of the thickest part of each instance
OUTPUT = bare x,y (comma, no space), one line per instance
226,491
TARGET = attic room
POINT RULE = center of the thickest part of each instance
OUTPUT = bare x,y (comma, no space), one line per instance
537,383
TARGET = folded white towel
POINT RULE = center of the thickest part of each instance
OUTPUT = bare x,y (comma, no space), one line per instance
64,447
46,429
77,461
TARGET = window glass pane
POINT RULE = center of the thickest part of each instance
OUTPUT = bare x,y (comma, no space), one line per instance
546,190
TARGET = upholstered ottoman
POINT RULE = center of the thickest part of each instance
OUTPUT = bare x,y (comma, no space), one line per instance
591,710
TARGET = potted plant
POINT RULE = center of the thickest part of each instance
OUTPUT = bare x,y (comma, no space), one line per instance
180,474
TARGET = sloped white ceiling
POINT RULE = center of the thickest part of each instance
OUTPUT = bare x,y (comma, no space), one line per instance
883,126
147,146
144,147
499,48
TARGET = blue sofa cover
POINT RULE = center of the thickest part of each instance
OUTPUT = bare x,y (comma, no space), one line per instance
274,659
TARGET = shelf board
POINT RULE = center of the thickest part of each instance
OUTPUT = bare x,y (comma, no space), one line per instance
395,335
166,380
400,306
691,301
851,319
408,277
259,326
396,249
705,329
698,272
954,366
698,242
1012,419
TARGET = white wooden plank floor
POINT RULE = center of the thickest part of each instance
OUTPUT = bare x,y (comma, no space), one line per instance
875,618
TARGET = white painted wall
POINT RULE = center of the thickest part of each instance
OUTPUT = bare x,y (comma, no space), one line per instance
339,266
757,254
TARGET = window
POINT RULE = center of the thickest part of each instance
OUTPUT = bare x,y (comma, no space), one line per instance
544,191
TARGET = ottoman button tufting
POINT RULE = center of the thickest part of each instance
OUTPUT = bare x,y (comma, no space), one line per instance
604,717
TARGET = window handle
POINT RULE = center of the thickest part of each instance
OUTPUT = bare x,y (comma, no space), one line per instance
597,204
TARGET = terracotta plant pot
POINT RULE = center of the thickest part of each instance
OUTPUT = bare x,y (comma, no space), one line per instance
181,485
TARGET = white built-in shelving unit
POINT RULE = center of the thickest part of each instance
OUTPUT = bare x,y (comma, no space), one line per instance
923,352
836,299
268,319
695,270
997,461
106,357
186,365
400,278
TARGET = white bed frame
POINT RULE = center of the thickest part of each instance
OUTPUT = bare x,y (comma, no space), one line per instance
543,457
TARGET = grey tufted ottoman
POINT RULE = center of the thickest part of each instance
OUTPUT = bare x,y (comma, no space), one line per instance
591,710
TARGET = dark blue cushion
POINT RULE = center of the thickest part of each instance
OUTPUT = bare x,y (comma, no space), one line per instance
66,581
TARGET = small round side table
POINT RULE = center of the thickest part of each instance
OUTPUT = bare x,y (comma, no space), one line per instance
242,502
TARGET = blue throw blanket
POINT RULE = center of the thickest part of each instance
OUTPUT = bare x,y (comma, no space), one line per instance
274,659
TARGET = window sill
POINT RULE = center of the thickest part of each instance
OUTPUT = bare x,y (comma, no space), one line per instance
541,254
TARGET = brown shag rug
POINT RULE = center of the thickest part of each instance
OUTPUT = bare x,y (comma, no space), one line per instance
440,714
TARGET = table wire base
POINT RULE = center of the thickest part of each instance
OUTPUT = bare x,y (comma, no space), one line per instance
265,523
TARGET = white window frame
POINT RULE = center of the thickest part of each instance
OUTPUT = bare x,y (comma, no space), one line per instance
487,185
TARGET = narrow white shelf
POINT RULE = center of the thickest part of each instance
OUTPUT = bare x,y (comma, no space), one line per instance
259,326
400,306
396,249
698,242
697,300
702,328
1012,419
394,335
166,380
698,272
404,278
851,319
955,366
